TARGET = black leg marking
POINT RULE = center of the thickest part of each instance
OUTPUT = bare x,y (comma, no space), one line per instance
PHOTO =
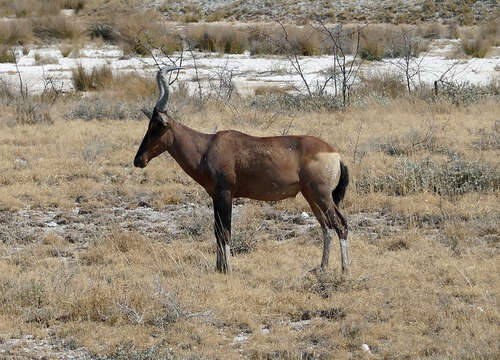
222,229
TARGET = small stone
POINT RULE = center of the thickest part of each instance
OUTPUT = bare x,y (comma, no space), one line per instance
240,338
143,204
366,348
81,199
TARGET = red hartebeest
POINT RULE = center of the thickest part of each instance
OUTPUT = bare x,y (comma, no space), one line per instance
231,164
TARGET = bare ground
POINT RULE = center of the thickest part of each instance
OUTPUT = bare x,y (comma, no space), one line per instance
80,226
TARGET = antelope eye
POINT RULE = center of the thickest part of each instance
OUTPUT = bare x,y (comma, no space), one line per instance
155,124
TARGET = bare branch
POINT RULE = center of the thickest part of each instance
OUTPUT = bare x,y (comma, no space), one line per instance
131,313
294,59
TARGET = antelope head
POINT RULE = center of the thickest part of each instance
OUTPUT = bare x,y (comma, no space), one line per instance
159,135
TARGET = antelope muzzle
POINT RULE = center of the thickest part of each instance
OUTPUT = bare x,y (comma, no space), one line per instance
140,161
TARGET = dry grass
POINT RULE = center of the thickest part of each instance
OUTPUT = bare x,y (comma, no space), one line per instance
218,38
137,32
34,8
15,32
142,31
425,265
56,27
96,79
7,54
479,41
379,41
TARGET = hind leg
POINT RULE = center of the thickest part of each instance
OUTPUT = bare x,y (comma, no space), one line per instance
327,244
329,216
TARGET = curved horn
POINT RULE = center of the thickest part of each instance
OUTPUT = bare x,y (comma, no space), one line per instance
161,79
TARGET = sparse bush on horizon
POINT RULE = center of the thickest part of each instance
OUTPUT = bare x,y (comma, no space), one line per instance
390,41
15,32
56,27
478,42
7,54
99,109
96,79
36,8
450,178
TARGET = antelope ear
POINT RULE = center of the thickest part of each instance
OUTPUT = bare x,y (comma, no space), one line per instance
147,113
164,118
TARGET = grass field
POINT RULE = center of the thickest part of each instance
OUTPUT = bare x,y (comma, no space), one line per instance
120,262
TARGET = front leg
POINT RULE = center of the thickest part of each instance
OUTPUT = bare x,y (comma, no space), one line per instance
222,227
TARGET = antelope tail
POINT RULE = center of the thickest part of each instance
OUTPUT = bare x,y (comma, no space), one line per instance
339,192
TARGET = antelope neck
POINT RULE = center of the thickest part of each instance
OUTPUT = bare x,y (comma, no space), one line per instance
188,148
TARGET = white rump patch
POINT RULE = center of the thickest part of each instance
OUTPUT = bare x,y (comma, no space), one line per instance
327,165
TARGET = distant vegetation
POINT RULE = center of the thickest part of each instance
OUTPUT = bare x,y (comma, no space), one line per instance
137,30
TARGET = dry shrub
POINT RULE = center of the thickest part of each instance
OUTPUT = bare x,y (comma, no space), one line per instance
380,41
132,86
98,78
465,93
7,54
286,103
7,95
125,241
271,40
133,90
372,43
35,8
477,42
56,27
15,32
227,39
76,5
412,176
28,109
270,90
104,109
45,60
99,30
32,110
66,50
304,41
141,32
436,30
259,40
29,8
217,15
387,84
190,18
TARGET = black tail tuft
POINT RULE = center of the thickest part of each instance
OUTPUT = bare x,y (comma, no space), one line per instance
339,192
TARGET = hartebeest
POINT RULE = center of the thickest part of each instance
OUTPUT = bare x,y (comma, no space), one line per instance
231,164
